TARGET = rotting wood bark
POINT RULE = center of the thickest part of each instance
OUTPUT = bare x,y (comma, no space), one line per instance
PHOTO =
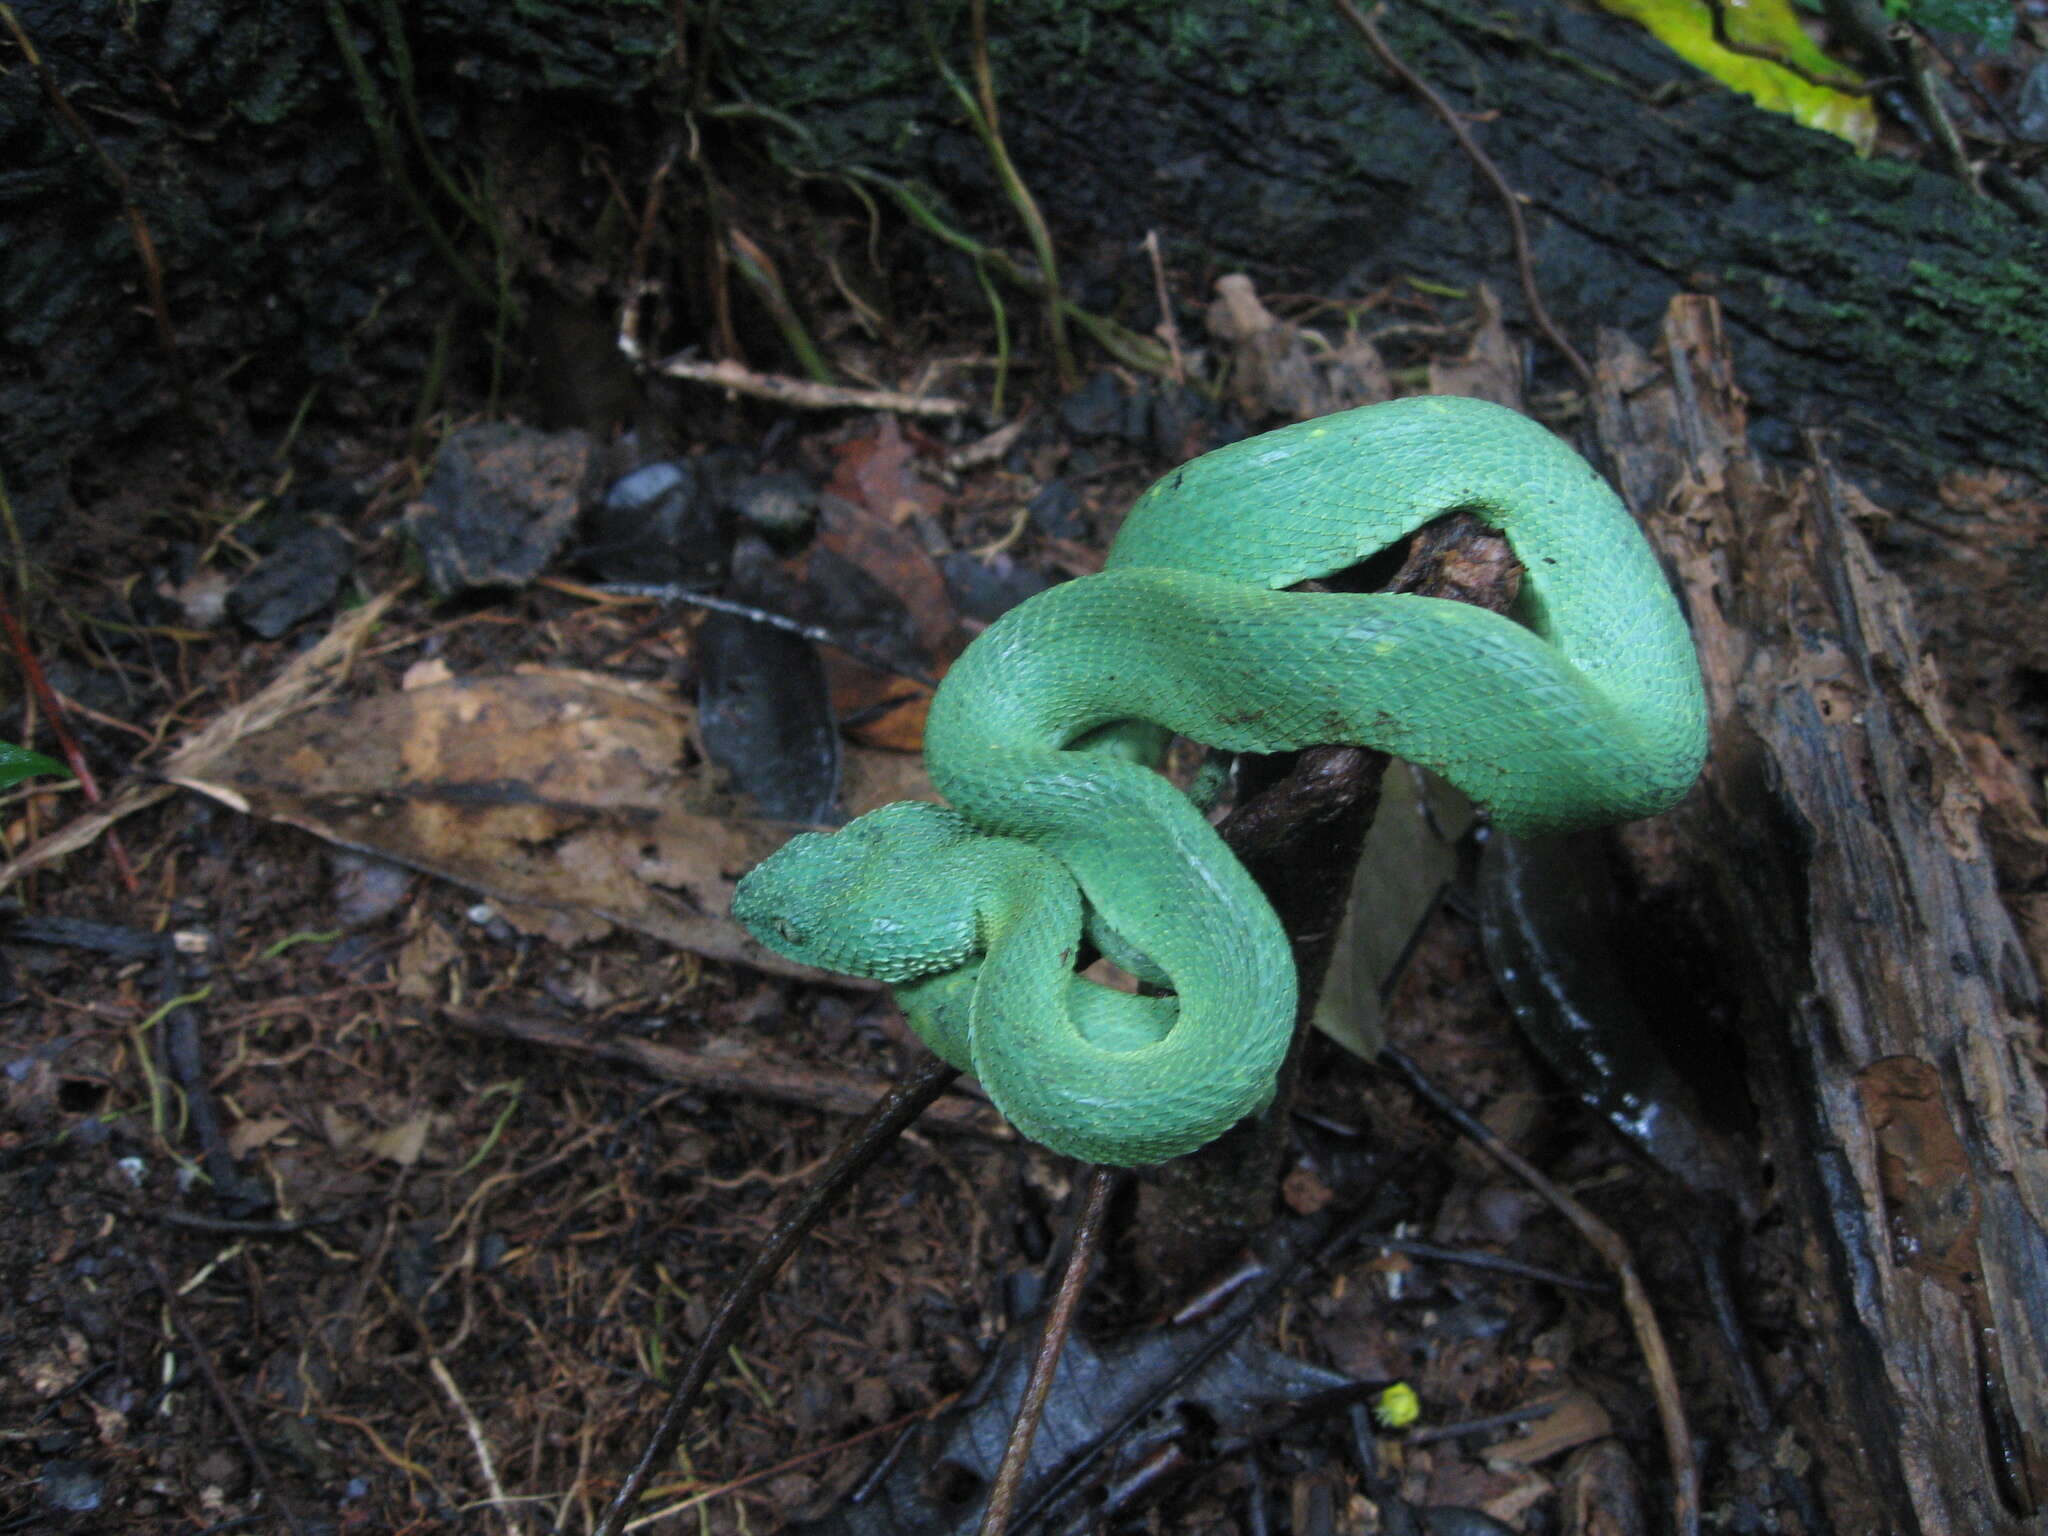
1883,300
1300,837
1889,1009
1875,296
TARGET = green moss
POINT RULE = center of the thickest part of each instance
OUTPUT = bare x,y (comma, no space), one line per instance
2003,299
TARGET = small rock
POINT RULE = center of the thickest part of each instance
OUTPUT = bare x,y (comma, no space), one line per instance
72,1487
766,717
722,469
778,504
656,524
1056,511
1177,418
293,582
222,1468
1137,423
499,505
2031,111
988,590
366,887
1097,409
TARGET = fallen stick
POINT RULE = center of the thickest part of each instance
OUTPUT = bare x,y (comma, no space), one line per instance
841,1093
803,392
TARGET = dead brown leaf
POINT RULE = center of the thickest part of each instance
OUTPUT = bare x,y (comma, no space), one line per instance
879,710
251,1134
861,532
875,473
404,1142
1577,1419
1277,368
1491,368
562,793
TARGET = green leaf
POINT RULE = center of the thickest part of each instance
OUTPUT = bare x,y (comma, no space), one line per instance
1990,20
18,763
1686,27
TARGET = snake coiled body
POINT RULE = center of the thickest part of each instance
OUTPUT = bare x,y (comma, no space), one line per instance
1044,734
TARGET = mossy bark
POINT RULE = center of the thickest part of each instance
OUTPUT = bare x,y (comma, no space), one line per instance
1882,301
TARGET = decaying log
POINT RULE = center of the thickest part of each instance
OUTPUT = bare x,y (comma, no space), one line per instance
1876,295
1889,1007
1880,297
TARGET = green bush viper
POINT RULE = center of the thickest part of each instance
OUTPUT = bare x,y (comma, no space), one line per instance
1044,734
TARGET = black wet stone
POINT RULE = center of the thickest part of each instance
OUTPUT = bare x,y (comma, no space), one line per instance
778,503
987,589
500,504
1056,511
766,717
296,580
657,524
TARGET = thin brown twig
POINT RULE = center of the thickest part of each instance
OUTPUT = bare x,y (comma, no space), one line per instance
863,1145
222,1395
1605,1241
673,592
1273,1281
171,1216
131,210
1511,200
314,673
373,1266
643,241
806,394
1167,331
1988,104
1471,1258
1718,10
836,1092
1927,99
479,1442
818,1453
1059,1322
53,711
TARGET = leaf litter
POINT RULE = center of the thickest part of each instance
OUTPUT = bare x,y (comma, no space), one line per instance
485,1246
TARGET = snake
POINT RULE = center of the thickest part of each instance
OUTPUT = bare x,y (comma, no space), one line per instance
1582,706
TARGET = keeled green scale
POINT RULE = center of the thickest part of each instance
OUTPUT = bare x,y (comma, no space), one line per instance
1044,734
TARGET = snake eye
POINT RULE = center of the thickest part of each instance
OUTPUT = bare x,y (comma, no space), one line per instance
791,934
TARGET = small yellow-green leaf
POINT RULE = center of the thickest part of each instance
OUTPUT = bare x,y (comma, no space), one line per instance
1397,1406
1686,27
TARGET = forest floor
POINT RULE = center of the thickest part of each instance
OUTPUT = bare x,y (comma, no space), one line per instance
346,1197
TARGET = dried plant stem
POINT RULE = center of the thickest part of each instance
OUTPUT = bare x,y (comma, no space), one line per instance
258,1463
1059,1322
67,744
1510,200
1605,1241
863,1145
807,394
131,210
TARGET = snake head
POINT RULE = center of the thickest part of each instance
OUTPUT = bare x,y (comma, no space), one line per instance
879,898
